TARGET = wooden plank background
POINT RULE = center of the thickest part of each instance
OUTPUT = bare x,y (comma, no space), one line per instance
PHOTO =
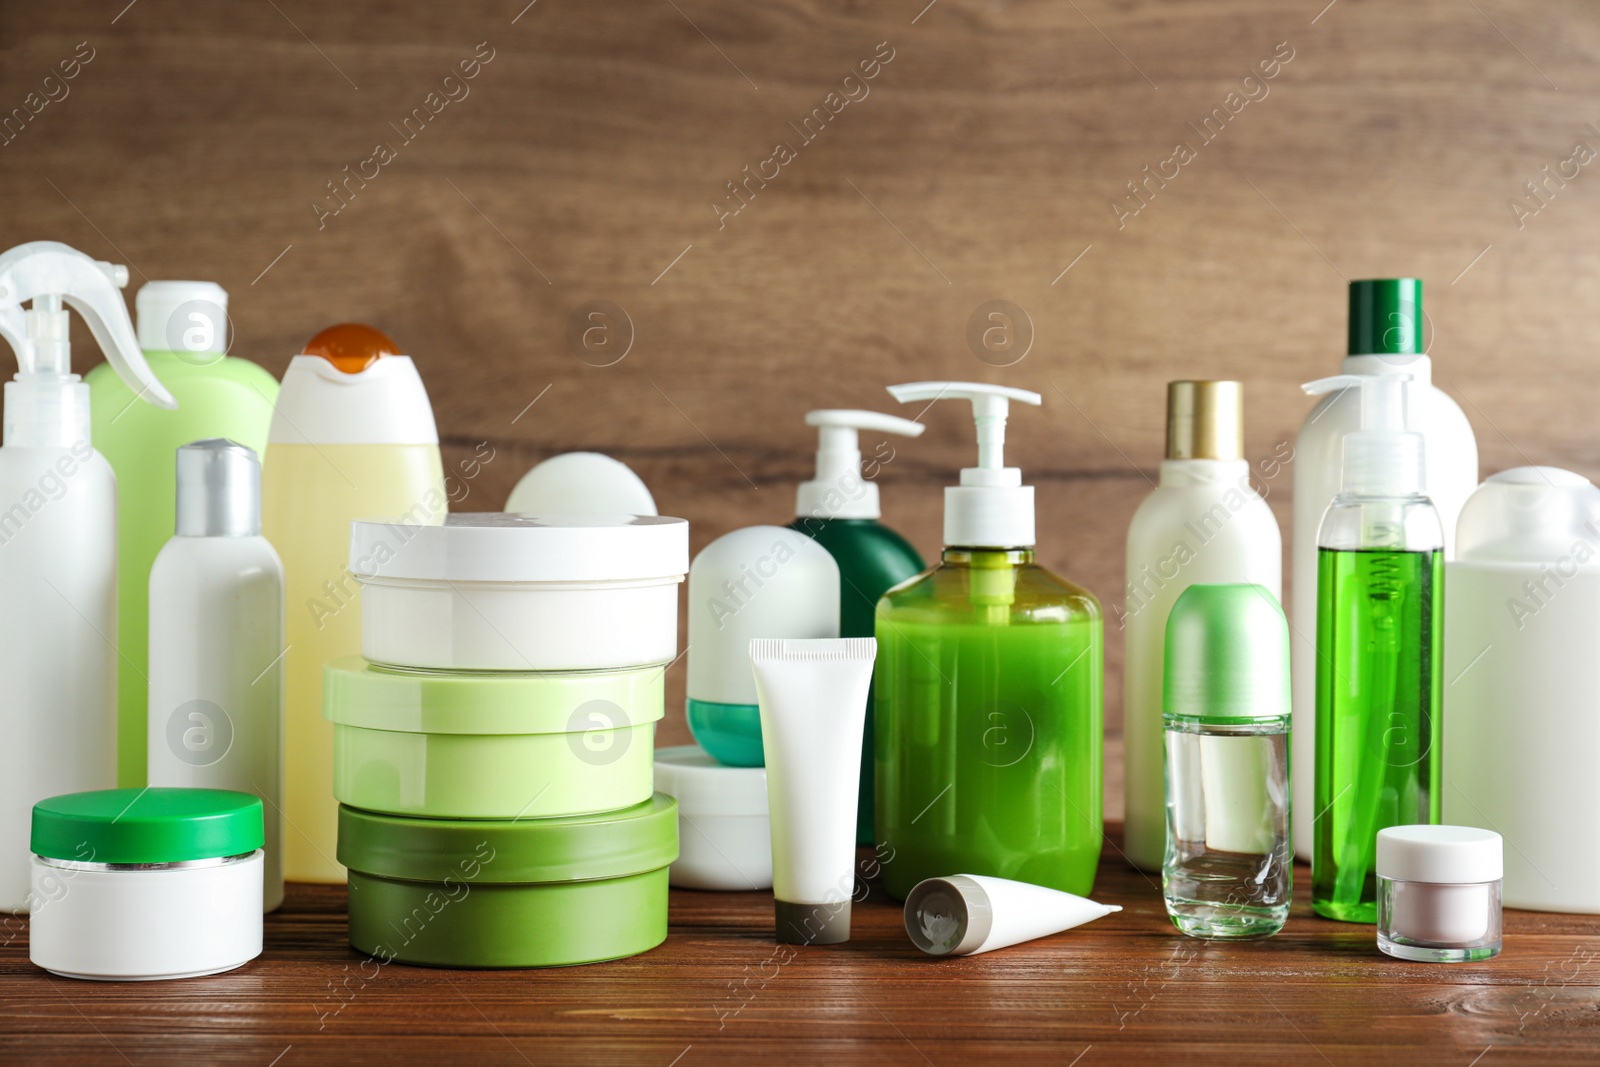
582,161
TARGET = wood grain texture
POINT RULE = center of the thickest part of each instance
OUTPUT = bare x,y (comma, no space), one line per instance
583,161
1125,989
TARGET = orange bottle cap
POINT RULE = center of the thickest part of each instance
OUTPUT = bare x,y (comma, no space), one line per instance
351,347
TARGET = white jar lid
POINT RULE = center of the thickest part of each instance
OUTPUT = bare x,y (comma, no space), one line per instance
702,786
495,546
1451,854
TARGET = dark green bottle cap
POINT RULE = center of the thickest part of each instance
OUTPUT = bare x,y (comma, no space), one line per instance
155,825
1386,317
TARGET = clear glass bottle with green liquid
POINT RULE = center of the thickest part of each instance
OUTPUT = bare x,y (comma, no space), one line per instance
988,690
1380,570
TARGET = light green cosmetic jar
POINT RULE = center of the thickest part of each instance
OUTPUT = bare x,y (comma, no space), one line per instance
500,745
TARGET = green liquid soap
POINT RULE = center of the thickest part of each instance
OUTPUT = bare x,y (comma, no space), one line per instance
1378,745
989,725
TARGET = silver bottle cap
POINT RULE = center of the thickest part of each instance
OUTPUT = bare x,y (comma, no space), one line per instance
219,490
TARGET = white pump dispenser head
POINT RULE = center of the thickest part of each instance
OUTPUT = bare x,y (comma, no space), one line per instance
991,508
1383,458
838,491
47,405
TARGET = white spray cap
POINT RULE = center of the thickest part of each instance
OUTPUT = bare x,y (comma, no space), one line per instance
47,405
838,491
1383,458
991,508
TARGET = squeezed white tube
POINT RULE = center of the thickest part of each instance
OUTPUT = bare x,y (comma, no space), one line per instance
965,914
813,698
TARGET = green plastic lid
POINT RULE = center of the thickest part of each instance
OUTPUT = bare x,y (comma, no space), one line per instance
611,844
1227,658
1386,317
147,825
356,693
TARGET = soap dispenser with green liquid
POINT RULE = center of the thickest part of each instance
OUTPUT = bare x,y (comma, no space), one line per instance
1380,570
838,509
988,689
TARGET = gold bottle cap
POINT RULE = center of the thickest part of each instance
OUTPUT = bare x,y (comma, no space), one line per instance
1205,420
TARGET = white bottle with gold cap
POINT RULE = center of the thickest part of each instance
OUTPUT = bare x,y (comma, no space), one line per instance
1203,523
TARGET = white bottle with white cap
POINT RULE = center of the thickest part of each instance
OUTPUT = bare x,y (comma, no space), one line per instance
217,643
1522,693
58,543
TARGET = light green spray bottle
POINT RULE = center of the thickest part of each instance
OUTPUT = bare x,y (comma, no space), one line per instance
1380,613
183,330
988,690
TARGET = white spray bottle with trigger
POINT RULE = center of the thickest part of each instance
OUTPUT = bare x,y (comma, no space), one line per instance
58,544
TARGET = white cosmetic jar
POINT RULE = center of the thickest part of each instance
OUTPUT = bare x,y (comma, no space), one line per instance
139,885
724,834
506,592
1439,893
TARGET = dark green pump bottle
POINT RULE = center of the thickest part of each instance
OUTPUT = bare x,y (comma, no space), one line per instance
839,510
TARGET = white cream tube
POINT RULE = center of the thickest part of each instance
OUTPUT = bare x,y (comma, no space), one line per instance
813,697
965,914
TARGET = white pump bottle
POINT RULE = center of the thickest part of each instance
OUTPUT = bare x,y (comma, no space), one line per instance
58,544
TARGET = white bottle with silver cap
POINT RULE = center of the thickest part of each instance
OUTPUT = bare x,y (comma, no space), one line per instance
58,543
217,642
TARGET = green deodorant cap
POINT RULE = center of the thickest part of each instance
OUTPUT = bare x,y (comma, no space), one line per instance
1386,317
1227,656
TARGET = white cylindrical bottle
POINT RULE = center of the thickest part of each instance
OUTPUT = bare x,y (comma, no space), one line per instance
58,545
1386,327
1204,523
217,643
1522,682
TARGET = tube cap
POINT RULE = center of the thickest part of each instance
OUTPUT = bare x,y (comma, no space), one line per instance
219,490
811,924
1386,316
190,318
1456,854
948,916
1205,420
151,825
1227,657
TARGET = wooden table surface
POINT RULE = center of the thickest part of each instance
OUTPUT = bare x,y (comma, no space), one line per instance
1126,988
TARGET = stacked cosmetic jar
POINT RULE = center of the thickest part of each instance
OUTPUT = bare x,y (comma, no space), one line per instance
493,743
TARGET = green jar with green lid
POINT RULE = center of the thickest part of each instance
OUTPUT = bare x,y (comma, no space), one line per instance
509,893
491,745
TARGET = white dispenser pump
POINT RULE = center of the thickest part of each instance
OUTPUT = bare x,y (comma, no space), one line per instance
838,491
991,508
1383,458
47,405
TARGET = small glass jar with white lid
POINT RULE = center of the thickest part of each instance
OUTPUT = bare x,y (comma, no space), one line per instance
1439,893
